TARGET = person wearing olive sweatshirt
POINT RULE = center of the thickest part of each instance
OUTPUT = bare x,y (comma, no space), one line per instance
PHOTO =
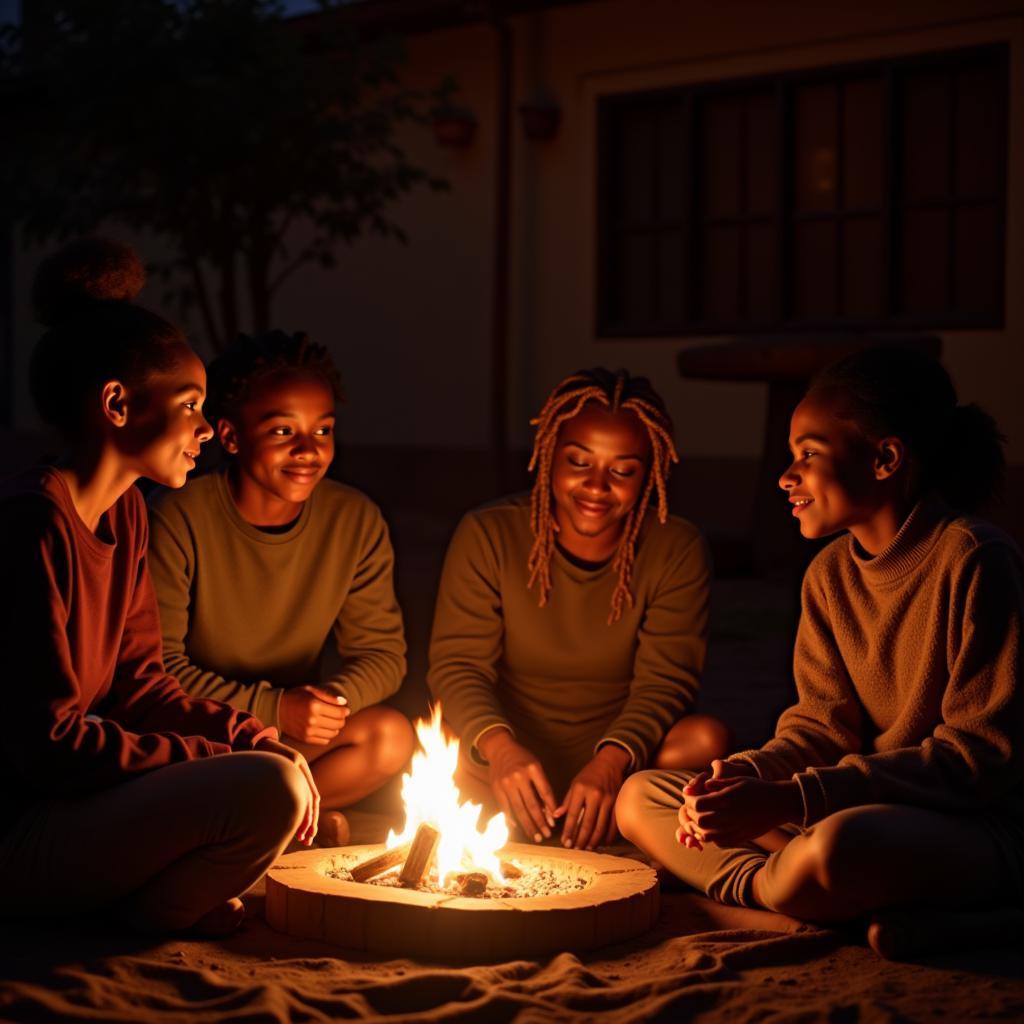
275,584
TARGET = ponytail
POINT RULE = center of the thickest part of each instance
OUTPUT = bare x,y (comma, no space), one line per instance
969,473
897,391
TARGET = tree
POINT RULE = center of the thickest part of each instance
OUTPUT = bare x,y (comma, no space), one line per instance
220,125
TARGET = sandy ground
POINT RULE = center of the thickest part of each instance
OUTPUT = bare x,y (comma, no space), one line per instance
701,962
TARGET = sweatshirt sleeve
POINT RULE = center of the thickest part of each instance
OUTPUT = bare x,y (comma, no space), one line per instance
827,720
468,635
671,646
146,698
50,743
974,759
172,562
368,631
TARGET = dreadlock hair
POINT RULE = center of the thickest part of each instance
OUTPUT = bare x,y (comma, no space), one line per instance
232,375
616,392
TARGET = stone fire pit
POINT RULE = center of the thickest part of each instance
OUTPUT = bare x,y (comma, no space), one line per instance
590,900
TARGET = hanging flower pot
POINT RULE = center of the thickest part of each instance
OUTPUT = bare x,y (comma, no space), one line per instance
454,127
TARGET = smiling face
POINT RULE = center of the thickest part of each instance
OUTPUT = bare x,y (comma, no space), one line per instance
283,440
597,476
165,427
839,479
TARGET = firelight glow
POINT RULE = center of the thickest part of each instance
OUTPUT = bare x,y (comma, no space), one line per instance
430,795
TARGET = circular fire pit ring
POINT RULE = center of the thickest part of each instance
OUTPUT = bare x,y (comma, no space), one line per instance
619,902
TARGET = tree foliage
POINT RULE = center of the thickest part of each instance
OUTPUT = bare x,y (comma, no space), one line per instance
217,124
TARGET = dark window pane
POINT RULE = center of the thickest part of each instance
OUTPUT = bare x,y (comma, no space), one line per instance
977,261
671,164
977,132
720,140
925,133
925,289
762,133
721,273
637,278
816,147
637,155
862,144
816,270
761,265
867,197
670,277
862,267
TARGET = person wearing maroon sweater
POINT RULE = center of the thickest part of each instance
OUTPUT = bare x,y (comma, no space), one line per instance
119,790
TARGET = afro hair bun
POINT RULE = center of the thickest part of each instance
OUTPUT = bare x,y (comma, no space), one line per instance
82,273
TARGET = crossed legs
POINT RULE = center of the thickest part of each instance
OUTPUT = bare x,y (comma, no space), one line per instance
168,849
850,864
375,744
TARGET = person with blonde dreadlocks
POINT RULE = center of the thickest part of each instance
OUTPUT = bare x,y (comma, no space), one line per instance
570,628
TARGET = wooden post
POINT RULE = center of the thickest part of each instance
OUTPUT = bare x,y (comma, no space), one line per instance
378,865
421,853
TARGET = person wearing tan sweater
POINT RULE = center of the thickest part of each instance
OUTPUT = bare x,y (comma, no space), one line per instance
571,626
898,777
275,584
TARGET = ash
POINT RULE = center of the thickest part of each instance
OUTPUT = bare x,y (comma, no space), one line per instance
537,880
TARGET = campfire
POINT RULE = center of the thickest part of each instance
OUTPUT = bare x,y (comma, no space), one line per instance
442,847
451,885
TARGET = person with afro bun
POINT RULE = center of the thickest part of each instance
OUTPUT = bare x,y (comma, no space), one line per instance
120,791
275,583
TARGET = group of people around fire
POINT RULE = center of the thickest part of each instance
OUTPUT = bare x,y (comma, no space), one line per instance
196,682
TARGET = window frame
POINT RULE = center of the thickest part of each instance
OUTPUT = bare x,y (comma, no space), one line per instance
784,85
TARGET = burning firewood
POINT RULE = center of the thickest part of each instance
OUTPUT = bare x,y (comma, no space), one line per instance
424,845
473,883
368,869
509,870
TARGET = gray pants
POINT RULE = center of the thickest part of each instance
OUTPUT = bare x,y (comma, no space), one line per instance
164,848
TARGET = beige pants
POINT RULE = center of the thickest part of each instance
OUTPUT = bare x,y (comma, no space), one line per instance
887,854
162,849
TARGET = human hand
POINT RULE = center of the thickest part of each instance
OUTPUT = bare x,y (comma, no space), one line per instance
307,827
735,809
688,834
589,804
519,784
311,715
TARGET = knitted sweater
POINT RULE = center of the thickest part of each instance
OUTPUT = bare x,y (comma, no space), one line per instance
560,677
909,670
247,613
87,702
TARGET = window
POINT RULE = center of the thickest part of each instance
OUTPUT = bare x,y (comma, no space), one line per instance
856,197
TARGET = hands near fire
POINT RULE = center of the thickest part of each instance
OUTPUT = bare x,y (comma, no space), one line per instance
519,783
730,805
311,715
589,805
307,827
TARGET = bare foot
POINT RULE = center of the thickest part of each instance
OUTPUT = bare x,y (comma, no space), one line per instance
221,921
332,829
906,934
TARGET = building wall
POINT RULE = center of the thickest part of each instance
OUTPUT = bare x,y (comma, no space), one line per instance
411,324
419,316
